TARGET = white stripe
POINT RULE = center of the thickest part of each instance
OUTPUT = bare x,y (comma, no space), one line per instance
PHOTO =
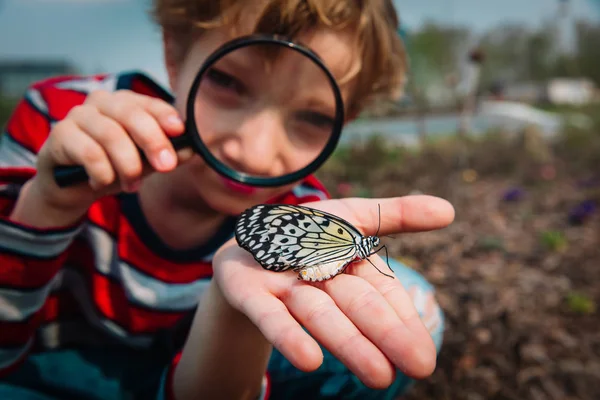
35,97
88,85
105,251
150,292
303,191
12,154
35,243
10,356
18,305
140,288
264,387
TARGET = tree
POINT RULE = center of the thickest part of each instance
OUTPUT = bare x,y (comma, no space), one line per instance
436,53
6,109
588,51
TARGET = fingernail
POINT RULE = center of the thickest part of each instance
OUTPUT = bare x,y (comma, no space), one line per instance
166,159
174,120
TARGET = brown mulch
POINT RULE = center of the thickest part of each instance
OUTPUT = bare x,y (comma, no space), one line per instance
518,282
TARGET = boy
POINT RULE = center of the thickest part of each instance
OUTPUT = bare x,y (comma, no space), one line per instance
93,276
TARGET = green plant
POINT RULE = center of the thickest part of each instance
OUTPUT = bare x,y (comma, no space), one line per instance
553,240
581,304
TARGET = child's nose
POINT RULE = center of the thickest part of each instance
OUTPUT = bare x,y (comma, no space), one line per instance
256,147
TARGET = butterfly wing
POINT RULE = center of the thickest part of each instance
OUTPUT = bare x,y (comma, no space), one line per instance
282,237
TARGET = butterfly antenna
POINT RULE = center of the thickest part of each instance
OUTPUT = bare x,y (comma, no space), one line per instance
389,276
387,259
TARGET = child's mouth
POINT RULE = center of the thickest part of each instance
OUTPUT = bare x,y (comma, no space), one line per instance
238,187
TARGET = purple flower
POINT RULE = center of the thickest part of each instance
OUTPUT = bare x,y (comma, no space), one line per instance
514,194
579,214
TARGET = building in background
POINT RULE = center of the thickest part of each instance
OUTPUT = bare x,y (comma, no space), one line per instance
557,91
571,91
16,75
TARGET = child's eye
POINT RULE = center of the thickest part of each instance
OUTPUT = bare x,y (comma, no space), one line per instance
224,80
319,120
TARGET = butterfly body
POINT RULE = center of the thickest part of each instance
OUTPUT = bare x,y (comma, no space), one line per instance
315,244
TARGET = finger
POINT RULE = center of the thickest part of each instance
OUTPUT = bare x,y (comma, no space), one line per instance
69,145
400,300
122,152
318,313
373,314
138,117
246,291
273,319
398,214
393,291
164,113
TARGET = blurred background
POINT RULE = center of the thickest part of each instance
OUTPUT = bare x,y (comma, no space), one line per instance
501,117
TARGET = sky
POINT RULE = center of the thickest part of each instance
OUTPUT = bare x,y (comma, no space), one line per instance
115,35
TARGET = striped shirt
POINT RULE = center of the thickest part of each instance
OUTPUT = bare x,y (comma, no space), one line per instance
108,279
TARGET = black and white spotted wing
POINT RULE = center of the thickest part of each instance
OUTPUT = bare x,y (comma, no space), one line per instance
282,237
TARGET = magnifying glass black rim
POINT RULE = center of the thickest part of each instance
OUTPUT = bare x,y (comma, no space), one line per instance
199,145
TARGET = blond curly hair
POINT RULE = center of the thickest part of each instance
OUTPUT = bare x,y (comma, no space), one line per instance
381,70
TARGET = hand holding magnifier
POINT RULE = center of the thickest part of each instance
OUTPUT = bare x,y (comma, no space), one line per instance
257,88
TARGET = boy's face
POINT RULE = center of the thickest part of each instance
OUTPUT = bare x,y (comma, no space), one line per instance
266,122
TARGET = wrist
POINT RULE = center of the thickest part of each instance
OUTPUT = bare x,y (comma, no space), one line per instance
225,356
34,208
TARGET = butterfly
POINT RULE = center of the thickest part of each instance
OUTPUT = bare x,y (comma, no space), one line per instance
316,244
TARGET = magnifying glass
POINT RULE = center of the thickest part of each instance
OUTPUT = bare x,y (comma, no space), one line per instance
263,88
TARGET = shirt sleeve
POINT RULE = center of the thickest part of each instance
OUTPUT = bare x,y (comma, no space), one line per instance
30,258
309,190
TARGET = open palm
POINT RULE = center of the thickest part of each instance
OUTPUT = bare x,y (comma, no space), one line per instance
366,319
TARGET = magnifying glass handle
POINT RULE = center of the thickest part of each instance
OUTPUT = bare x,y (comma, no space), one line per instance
69,175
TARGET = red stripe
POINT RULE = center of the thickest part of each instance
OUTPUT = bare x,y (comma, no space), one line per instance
6,205
133,251
268,390
312,181
113,304
16,174
106,214
60,101
141,88
28,126
18,272
110,298
290,198
18,333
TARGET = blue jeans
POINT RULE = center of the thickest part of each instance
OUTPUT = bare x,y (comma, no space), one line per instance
122,373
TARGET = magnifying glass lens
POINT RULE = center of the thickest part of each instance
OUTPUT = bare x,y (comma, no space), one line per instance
265,110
